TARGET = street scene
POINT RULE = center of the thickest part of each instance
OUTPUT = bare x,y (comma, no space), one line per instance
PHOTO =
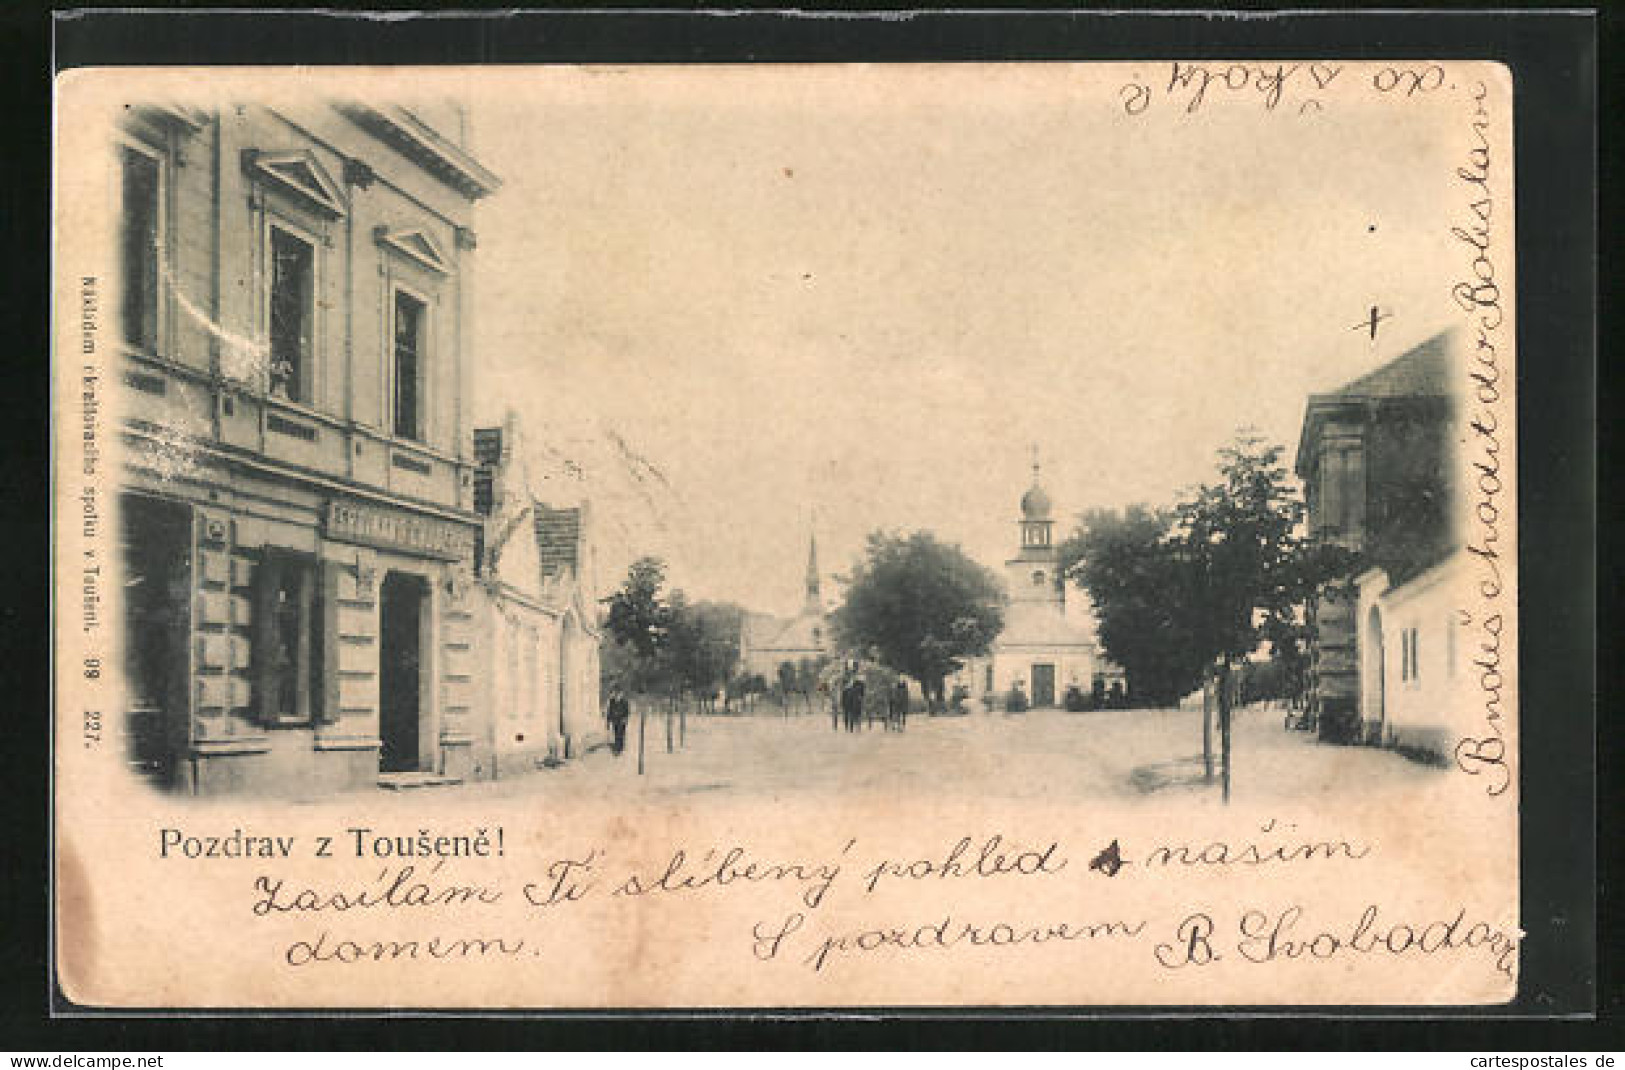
854,497
1122,755
809,536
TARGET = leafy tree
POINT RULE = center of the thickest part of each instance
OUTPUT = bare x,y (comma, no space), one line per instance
638,625
705,646
919,606
1135,573
808,673
1189,592
1250,566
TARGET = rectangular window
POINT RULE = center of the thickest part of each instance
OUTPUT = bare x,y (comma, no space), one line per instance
1408,667
287,639
138,252
409,317
1331,493
292,314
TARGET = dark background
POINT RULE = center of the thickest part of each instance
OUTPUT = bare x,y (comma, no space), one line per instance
1554,56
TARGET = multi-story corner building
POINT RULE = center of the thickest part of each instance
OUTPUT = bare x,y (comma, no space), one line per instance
297,515
1377,460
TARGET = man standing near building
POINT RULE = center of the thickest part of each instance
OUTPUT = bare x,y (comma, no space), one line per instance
617,713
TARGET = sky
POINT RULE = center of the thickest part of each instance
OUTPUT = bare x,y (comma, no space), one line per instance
735,305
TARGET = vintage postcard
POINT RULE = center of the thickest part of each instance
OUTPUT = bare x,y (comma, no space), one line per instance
786,536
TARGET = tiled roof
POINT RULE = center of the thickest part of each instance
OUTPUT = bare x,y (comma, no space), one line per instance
805,632
558,539
1042,625
1420,372
1423,371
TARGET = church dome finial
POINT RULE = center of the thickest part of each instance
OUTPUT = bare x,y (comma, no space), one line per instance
1035,504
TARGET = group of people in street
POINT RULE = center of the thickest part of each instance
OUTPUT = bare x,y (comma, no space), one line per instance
850,709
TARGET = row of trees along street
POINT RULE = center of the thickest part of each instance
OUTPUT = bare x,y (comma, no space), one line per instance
1186,593
914,606
667,650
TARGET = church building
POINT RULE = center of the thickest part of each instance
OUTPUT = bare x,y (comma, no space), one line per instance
767,642
1046,646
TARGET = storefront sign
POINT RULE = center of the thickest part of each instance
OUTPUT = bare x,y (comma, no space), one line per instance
393,529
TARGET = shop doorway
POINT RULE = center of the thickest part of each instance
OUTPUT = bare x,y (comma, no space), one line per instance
402,613
1043,685
156,543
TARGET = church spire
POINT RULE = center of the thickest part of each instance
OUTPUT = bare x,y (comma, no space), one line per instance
815,601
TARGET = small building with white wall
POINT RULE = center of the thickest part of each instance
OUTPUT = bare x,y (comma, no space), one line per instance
1410,658
534,618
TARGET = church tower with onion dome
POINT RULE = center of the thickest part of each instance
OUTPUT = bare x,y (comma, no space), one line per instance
1043,651
1033,575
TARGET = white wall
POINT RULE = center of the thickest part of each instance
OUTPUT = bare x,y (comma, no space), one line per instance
1422,665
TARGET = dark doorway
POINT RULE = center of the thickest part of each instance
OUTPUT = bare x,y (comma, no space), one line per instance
1375,681
1043,685
400,672
156,544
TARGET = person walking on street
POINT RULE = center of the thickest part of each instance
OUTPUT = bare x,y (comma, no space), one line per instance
618,712
852,704
898,711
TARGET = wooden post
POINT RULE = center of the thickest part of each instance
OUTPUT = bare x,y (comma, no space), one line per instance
643,719
1224,727
1208,698
669,705
682,726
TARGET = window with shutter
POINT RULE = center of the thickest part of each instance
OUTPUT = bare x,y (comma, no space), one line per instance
138,240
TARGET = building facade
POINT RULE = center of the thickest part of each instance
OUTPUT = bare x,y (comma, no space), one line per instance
1046,646
535,627
297,509
1378,459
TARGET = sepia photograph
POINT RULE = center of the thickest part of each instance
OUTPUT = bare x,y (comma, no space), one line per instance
782,535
